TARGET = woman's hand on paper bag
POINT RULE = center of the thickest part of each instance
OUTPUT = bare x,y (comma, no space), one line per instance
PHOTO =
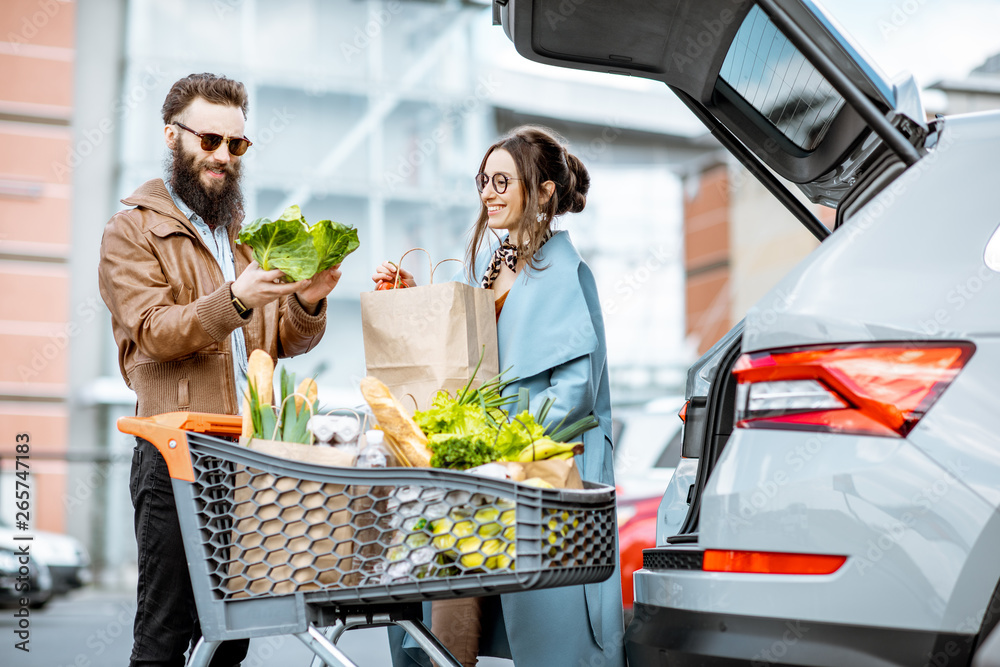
386,272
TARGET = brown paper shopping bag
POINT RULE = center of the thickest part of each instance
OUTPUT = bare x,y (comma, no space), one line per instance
289,534
422,339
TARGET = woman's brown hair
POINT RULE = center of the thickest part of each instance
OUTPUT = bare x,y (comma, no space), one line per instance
540,156
211,87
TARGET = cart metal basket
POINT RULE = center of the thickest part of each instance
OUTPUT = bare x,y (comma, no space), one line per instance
277,546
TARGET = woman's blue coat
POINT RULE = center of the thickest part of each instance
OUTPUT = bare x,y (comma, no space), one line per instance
551,336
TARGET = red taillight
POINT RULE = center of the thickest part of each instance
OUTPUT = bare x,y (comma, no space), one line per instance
763,562
683,414
868,389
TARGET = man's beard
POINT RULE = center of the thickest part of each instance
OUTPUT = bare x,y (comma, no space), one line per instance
217,206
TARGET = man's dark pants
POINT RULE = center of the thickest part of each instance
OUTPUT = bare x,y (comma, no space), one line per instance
166,621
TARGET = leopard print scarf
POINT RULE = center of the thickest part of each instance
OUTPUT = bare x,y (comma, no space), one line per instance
506,254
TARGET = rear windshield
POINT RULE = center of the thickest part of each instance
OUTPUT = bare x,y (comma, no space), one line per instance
771,75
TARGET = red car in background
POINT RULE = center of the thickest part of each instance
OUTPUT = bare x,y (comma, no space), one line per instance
636,531
647,449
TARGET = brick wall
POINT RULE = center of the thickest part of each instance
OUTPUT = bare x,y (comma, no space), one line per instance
36,97
706,258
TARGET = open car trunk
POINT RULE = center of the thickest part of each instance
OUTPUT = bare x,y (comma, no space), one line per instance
774,80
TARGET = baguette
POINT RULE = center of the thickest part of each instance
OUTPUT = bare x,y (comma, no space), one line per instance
305,394
260,373
402,434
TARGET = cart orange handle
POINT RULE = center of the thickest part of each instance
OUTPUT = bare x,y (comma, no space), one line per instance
168,432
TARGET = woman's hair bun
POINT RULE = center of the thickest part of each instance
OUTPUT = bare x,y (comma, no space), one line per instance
579,184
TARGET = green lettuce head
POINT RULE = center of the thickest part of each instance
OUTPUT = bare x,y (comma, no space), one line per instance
298,249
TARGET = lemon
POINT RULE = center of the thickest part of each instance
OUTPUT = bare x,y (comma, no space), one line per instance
467,545
463,529
498,562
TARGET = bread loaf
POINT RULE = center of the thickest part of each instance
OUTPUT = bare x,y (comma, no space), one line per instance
260,374
402,434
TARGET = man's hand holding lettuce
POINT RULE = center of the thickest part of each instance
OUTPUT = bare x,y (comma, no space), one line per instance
298,249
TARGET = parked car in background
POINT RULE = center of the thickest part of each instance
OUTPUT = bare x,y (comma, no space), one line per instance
647,451
845,507
647,446
15,585
65,557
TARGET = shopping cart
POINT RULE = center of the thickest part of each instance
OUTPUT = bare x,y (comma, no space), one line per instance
276,546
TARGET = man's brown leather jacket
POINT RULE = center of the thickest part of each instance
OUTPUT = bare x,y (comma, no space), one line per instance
172,312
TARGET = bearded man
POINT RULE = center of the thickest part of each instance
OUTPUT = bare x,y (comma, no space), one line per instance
186,304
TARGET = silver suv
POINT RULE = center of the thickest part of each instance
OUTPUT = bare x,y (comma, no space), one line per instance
843,441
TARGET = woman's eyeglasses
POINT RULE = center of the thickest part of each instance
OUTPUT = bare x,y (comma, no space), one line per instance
210,142
500,182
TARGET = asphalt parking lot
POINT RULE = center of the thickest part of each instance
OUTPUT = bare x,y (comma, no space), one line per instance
93,628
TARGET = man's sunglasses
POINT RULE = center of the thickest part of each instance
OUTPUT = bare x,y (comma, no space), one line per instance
210,142
499,182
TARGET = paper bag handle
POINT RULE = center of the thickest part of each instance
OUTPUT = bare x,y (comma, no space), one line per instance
279,418
450,259
430,264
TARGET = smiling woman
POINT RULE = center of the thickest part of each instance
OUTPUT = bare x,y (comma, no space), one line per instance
550,333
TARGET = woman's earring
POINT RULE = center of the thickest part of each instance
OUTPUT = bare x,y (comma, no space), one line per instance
540,217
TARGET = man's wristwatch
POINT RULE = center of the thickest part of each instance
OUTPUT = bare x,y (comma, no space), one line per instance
241,310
